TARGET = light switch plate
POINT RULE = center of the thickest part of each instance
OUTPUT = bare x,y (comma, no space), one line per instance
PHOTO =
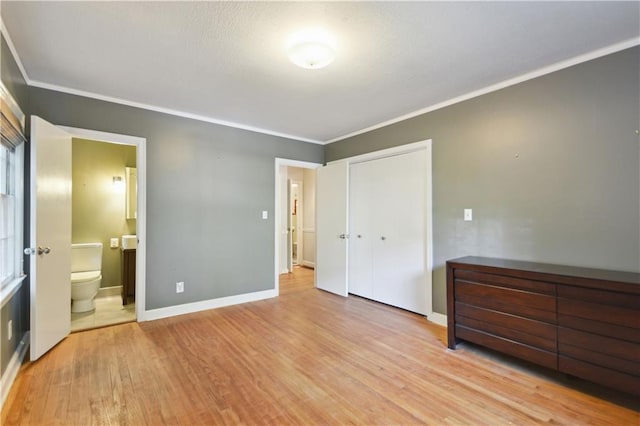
114,242
468,215
265,214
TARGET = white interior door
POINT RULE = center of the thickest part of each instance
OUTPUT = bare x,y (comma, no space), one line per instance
50,268
332,183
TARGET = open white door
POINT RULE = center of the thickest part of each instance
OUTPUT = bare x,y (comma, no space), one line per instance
332,183
50,269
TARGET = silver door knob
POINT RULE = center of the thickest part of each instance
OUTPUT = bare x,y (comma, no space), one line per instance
44,250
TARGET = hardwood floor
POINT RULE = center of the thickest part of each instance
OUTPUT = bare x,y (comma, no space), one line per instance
301,279
306,357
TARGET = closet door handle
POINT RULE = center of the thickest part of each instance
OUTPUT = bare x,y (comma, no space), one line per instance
359,236
343,236
383,238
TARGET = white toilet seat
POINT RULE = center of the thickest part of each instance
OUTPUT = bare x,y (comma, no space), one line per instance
84,276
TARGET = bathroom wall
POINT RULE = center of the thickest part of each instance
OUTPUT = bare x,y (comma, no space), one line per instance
99,205
550,168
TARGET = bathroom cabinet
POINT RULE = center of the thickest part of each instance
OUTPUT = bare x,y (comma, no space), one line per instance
582,322
128,276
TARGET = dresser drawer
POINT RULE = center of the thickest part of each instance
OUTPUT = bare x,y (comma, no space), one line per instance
600,359
522,303
513,327
599,344
609,314
600,297
529,353
600,374
599,327
506,281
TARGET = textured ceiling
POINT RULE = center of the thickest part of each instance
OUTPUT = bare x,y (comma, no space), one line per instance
226,61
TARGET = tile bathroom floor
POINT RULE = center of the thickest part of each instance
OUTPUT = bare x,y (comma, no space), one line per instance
109,311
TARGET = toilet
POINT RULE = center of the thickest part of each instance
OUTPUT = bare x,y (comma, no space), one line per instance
86,275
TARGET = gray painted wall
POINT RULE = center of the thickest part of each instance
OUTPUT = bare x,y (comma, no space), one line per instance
206,188
550,167
17,308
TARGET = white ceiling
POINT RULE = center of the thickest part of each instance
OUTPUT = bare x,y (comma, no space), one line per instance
226,62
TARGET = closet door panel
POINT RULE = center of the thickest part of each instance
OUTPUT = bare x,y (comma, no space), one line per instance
362,186
398,210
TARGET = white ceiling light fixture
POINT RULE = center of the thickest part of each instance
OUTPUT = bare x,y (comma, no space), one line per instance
311,49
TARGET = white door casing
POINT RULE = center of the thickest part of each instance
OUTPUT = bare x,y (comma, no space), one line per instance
50,270
141,202
332,192
281,175
396,206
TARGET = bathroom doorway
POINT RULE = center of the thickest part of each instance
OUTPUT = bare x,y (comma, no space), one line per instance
104,215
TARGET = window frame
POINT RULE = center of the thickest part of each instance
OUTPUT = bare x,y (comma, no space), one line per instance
11,284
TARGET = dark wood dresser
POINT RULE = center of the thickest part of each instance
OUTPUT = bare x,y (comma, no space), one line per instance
128,276
580,321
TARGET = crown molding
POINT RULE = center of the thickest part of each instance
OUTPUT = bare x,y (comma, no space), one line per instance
503,84
13,50
178,113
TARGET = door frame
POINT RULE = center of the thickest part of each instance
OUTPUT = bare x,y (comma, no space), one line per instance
405,149
277,216
141,219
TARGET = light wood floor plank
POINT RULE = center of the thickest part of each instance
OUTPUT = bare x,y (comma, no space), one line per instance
306,357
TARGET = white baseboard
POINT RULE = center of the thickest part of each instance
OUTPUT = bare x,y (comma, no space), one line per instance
437,318
189,308
12,368
308,264
116,290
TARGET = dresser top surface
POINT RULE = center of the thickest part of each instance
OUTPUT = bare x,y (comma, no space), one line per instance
550,269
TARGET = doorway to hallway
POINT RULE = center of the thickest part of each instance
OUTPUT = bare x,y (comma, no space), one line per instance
295,233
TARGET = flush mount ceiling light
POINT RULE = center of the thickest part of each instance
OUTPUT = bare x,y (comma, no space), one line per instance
311,49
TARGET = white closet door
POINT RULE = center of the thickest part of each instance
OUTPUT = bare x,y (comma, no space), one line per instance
332,185
362,186
398,211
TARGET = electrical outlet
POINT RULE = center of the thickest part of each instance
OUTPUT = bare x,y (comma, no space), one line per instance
468,215
180,287
9,329
114,242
